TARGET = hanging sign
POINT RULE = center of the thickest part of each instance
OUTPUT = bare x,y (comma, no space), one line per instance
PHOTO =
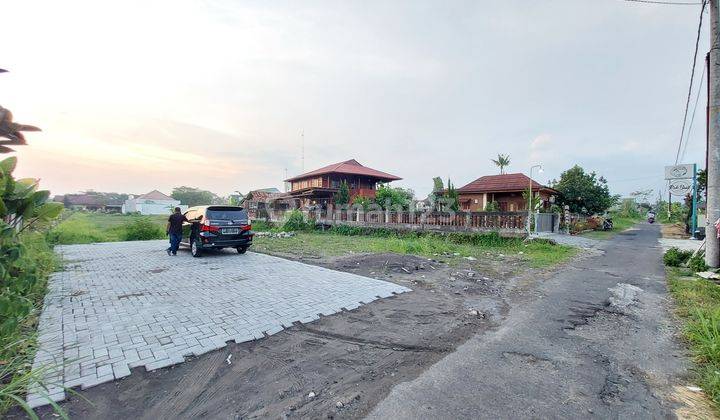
681,187
679,171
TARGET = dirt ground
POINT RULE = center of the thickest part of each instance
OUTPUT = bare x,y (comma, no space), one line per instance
675,231
339,366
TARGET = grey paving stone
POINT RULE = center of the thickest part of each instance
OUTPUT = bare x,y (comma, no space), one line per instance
140,307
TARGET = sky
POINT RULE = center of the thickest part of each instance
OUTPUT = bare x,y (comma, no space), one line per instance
140,95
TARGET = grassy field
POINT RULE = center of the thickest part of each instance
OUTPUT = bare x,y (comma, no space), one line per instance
85,228
698,303
619,224
80,228
331,244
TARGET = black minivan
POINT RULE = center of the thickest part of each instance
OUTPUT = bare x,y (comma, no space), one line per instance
217,227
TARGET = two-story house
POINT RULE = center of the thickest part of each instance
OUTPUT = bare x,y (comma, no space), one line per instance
318,187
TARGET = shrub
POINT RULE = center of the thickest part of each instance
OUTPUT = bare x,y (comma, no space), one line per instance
697,262
295,220
262,226
141,230
675,257
492,206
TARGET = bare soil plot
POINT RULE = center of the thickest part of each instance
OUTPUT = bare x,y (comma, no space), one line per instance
340,365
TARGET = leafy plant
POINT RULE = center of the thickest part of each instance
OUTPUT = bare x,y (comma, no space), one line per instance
25,262
492,206
675,257
453,197
362,201
584,193
192,196
389,198
696,263
21,206
142,229
295,220
343,194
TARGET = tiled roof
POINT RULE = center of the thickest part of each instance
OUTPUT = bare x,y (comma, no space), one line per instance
501,183
265,194
351,167
155,195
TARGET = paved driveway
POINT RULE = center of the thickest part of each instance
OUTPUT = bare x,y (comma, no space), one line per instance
123,305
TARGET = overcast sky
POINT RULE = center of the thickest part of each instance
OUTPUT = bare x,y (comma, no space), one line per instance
141,95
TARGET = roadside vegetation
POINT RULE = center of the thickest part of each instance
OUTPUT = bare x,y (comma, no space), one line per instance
698,304
341,240
79,227
624,218
26,261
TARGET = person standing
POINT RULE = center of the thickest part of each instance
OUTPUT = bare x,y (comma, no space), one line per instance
174,230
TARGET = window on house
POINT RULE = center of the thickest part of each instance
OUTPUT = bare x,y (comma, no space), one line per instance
476,201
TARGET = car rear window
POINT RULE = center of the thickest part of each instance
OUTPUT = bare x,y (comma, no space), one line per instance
226,214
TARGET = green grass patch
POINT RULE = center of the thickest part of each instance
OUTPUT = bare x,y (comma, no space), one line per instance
619,224
85,228
698,303
17,349
346,240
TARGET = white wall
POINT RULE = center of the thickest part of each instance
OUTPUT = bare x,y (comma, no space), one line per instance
152,206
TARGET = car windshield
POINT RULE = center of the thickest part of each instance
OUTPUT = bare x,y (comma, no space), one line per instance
226,214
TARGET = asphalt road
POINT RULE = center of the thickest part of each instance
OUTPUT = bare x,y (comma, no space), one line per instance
566,352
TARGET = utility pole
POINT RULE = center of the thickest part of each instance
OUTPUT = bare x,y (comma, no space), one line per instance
712,247
302,151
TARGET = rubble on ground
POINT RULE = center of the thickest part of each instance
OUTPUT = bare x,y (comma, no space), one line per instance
275,234
623,295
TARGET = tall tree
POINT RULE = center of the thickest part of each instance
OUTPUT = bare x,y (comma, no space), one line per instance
393,198
343,195
192,196
436,194
502,161
452,197
583,192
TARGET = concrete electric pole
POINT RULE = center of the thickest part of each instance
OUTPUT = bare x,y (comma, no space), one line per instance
712,248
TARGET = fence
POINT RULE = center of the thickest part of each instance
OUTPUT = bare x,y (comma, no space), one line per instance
511,223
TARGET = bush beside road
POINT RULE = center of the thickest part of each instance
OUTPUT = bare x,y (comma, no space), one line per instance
698,304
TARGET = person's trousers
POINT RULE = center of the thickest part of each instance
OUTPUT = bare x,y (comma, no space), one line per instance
174,242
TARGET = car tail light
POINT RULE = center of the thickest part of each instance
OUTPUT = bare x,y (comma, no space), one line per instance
246,227
206,227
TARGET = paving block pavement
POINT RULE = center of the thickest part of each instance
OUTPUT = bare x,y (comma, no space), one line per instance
122,305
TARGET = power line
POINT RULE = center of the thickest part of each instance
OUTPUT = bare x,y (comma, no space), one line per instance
674,3
692,118
692,78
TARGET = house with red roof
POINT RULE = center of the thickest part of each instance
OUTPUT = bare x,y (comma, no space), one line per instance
319,187
506,189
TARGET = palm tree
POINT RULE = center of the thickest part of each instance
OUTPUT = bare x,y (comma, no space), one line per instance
502,161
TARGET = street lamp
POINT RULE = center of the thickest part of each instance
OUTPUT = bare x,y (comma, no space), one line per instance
530,196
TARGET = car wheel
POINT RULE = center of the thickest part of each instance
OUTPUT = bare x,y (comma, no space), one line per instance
196,248
241,249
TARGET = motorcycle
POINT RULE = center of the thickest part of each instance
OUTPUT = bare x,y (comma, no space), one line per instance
607,224
651,217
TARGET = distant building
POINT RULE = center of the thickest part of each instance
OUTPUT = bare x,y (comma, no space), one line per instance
507,190
259,202
92,201
153,202
421,205
319,187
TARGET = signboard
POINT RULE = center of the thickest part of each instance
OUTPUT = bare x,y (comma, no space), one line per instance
681,187
679,171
